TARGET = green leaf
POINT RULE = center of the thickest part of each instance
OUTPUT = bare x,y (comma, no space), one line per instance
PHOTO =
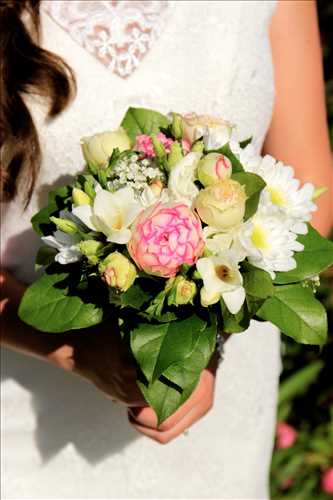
170,391
156,347
164,397
257,282
246,142
47,307
226,151
139,121
315,258
298,383
234,323
253,184
135,297
45,256
297,313
56,202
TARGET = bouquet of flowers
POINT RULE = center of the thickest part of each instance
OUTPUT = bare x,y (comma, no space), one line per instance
179,231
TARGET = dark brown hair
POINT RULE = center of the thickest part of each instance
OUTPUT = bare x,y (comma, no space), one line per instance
26,68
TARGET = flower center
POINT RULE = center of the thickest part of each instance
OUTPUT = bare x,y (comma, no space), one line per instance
224,273
277,197
259,238
117,222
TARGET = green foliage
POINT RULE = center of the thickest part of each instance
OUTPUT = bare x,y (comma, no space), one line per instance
48,306
139,121
294,309
57,201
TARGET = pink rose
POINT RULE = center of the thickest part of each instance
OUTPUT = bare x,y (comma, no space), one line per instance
327,481
286,435
166,236
144,144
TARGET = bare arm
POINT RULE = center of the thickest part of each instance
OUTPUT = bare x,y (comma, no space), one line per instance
298,134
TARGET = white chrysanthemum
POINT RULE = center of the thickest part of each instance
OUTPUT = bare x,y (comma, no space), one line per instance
282,194
269,244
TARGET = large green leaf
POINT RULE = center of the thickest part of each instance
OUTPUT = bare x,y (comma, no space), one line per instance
156,347
296,311
47,307
57,201
315,258
257,282
171,390
139,121
253,184
164,397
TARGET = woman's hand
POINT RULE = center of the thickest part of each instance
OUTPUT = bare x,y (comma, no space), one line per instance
201,401
98,354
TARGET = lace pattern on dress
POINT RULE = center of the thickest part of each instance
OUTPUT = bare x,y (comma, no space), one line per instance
118,32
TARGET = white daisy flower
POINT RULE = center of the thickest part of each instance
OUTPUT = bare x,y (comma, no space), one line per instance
269,244
282,194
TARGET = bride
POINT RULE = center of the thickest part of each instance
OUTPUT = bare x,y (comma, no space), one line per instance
257,64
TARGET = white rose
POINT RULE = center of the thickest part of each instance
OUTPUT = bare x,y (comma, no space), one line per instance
181,180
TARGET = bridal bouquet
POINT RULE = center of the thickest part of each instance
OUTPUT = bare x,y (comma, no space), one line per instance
181,232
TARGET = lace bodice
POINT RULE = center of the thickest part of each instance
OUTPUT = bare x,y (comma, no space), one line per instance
62,438
118,33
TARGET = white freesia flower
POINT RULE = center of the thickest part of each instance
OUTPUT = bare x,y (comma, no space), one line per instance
269,244
218,242
181,180
66,244
221,278
111,214
282,193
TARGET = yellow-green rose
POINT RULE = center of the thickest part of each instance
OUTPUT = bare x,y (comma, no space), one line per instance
118,271
99,147
182,291
222,205
214,168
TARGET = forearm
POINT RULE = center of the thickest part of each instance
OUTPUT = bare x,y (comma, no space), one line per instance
298,134
14,333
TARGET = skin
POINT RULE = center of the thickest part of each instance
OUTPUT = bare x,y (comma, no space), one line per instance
297,135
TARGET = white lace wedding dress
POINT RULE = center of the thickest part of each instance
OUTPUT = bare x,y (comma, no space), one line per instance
61,437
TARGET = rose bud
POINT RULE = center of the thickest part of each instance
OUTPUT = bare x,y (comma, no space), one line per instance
213,168
222,205
157,186
65,225
90,249
98,148
286,435
79,197
118,271
182,292
175,155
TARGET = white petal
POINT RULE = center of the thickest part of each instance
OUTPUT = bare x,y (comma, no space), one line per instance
122,237
85,213
234,300
51,242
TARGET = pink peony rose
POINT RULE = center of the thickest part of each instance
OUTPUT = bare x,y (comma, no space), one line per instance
166,236
327,481
144,144
286,435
